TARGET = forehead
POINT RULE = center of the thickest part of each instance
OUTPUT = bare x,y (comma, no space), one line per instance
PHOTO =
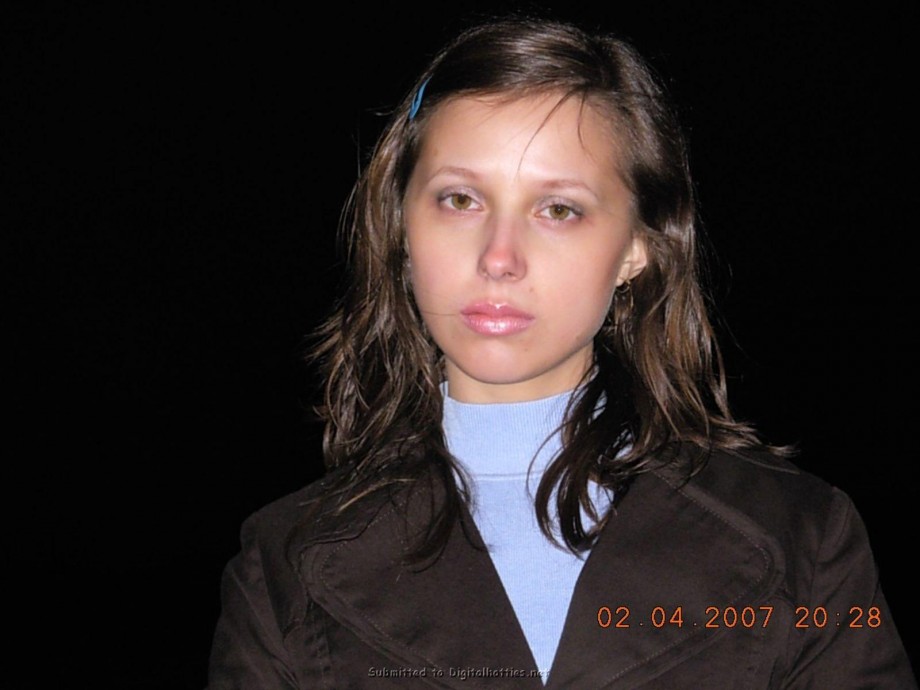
548,127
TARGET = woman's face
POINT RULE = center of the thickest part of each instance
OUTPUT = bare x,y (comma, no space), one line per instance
519,230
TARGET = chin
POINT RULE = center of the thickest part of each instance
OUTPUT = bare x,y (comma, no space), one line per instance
496,367
498,377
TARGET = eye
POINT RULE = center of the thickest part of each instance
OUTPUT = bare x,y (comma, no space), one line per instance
560,212
460,201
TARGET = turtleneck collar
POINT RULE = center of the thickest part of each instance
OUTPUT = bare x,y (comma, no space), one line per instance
503,439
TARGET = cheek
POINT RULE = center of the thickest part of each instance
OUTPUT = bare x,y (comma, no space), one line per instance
591,300
429,274
420,288
595,310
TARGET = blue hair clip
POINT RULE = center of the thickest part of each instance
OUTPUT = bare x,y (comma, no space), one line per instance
417,99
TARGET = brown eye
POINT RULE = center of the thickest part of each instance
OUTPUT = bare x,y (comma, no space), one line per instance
559,212
461,202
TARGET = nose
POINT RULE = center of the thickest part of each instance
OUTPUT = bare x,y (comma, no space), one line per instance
502,256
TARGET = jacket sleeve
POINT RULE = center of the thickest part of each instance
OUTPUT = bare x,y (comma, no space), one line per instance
248,650
858,646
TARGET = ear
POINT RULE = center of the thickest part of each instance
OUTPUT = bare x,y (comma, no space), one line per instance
634,261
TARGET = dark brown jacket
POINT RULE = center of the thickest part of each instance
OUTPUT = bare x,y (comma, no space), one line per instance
752,575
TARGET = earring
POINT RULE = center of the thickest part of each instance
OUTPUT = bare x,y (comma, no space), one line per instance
622,312
624,290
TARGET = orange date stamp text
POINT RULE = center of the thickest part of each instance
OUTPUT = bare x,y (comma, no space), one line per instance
622,617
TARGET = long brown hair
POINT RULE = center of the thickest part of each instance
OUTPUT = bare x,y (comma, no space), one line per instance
658,379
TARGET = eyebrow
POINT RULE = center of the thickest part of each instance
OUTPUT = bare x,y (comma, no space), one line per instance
454,170
550,185
569,184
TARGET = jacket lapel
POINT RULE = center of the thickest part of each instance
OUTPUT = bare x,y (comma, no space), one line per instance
669,550
453,614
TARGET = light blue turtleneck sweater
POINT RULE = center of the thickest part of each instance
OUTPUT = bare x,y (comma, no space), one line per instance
496,444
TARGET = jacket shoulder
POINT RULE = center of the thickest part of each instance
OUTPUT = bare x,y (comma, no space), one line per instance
774,502
768,488
270,520
285,526
266,635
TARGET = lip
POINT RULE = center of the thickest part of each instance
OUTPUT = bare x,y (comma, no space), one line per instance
487,318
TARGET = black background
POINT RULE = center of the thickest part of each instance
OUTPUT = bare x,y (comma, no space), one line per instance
173,177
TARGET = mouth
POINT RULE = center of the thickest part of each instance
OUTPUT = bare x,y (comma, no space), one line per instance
486,318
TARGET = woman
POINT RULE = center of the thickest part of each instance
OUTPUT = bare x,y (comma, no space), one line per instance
534,476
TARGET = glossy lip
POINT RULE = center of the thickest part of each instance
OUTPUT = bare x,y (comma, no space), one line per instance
487,318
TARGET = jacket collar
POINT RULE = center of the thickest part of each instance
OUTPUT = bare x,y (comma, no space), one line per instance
670,547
